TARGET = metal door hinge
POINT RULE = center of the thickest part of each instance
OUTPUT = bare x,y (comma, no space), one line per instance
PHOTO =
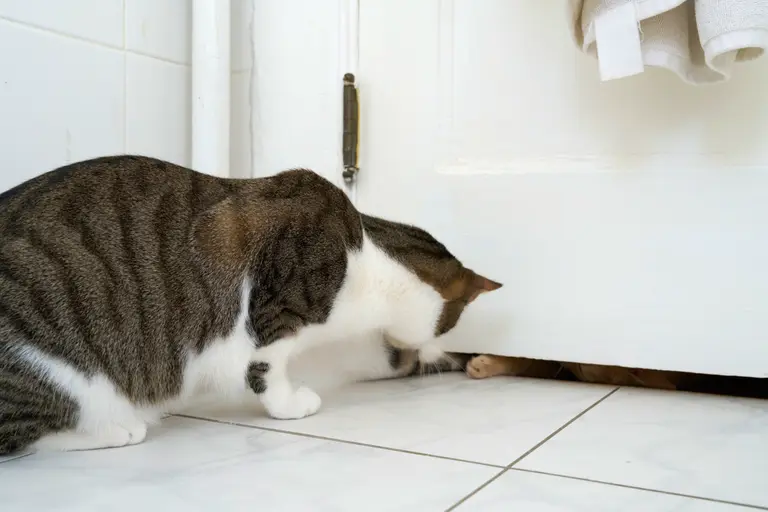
350,139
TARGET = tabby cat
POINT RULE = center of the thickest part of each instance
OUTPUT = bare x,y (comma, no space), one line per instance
129,285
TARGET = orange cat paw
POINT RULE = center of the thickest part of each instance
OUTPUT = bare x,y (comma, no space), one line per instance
482,367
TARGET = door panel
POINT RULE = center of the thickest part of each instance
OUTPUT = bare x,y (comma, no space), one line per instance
628,220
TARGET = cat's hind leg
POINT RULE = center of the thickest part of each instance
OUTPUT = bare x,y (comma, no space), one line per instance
113,436
267,376
16,435
105,419
31,407
48,404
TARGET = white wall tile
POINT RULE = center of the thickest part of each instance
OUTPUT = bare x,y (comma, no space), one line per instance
157,109
96,20
61,101
161,28
240,126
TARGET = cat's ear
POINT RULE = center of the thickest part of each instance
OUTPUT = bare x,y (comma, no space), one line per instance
478,285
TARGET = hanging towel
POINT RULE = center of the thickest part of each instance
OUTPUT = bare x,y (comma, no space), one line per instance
699,40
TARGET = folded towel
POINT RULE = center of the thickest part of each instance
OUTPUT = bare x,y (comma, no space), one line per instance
699,40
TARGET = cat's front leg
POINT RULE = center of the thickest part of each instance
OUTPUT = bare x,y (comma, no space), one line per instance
267,376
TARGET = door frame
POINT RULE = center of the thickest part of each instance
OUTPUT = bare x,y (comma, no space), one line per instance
279,112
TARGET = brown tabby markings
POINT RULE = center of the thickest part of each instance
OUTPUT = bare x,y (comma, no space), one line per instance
99,252
124,266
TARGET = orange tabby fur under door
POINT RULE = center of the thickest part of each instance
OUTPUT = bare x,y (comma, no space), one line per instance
484,366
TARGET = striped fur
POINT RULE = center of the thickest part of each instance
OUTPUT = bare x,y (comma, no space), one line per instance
128,274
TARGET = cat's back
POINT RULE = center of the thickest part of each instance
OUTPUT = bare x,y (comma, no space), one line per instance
105,184
96,270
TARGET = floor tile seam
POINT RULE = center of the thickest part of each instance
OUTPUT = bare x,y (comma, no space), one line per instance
477,490
342,441
638,488
531,450
13,458
563,427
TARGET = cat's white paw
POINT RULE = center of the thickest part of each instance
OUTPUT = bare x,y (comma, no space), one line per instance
137,434
309,401
301,403
113,436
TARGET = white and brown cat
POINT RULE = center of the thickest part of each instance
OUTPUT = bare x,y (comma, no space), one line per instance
129,286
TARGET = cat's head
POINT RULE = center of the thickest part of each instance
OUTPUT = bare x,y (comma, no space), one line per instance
431,293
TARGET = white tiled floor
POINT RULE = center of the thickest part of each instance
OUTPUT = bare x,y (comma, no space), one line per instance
428,445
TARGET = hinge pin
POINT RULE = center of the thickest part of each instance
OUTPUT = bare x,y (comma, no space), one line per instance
351,126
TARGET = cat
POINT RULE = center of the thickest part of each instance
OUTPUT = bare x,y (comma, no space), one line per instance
330,367
130,285
484,366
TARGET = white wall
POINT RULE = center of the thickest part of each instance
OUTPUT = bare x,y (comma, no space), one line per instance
84,78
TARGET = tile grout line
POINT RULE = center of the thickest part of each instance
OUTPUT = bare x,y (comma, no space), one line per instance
94,42
157,57
10,458
343,441
530,451
60,33
563,427
504,469
477,490
633,487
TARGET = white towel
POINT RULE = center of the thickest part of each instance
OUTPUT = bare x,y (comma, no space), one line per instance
699,40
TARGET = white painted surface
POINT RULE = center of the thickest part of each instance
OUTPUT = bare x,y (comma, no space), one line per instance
88,78
295,89
211,74
242,114
349,36
627,219
287,101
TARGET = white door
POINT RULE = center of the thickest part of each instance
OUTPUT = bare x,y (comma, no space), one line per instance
628,220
